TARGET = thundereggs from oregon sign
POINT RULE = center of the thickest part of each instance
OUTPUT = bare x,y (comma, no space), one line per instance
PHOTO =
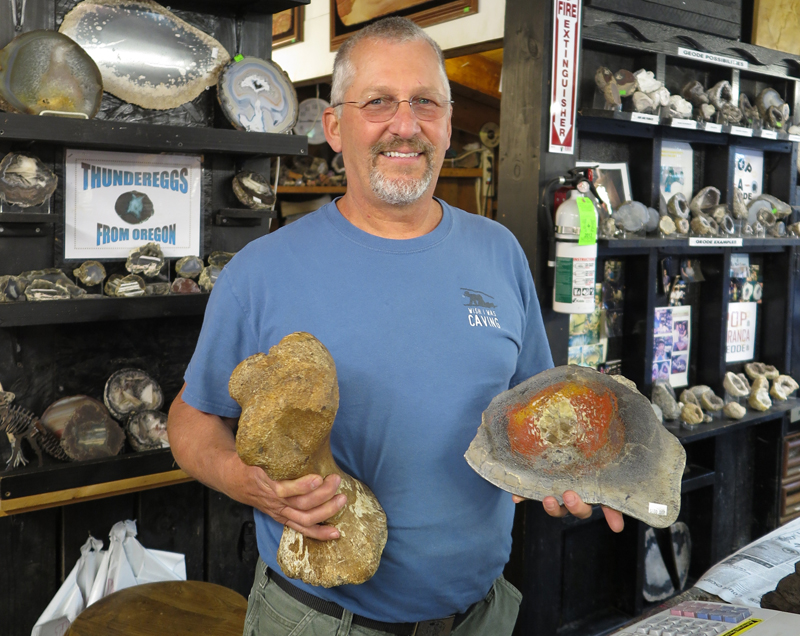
566,55
116,201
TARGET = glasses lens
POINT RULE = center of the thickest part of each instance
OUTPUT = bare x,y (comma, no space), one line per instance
427,109
379,109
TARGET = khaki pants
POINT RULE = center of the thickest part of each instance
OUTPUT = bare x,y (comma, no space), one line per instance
272,612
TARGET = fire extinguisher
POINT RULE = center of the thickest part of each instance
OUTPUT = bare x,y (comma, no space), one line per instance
573,244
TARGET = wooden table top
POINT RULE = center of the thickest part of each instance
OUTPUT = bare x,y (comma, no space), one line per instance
177,608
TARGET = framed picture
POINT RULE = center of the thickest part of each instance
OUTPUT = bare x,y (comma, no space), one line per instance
348,16
612,181
287,27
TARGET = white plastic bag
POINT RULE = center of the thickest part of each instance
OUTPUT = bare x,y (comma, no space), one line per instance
70,600
128,563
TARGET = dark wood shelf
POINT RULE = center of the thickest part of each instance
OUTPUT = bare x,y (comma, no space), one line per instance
53,312
698,477
119,136
612,247
722,424
59,483
22,217
622,123
237,7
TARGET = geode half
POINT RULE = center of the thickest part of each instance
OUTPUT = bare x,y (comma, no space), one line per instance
571,428
130,391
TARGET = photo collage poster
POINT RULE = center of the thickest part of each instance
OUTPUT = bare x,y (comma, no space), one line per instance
677,169
672,336
588,344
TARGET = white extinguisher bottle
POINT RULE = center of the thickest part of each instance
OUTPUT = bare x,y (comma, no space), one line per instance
575,253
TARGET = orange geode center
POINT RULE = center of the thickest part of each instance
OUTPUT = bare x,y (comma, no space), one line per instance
566,415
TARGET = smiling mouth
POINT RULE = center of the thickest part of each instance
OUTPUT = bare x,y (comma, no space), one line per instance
401,154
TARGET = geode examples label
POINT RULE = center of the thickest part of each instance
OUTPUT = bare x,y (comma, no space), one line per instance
116,201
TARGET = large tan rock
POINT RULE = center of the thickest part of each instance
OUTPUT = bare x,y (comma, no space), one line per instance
289,400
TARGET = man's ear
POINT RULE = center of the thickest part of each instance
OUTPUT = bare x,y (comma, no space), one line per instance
330,124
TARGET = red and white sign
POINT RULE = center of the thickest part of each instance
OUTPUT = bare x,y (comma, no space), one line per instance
566,42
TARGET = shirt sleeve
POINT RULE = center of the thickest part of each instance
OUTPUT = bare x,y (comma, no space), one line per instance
534,356
227,337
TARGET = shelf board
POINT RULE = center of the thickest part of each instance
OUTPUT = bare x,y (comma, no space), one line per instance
120,135
699,477
610,247
237,7
22,217
53,312
722,424
622,123
599,623
59,483
312,189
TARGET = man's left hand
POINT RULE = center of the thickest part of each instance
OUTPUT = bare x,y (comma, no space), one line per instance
574,505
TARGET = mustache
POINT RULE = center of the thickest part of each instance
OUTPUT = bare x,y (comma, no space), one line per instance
415,144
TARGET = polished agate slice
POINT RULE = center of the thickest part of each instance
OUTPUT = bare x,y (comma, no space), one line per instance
209,276
45,70
45,290
146,260
156,289
571,428
146,54
25,180
257,96
61,413
220,259
90,273
253,190
130,391
189,267
92,434
12,289
126,287
147,430
184,286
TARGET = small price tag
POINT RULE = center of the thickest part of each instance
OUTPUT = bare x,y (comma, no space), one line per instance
691,124
657,509
644,119
769,134
588,219
794,137
742,132
713,127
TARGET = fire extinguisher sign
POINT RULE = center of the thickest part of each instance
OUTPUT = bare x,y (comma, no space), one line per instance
566,43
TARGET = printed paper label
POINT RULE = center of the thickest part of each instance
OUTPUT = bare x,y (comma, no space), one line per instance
684,123
711,57
644,118
742,132
713,127
657,509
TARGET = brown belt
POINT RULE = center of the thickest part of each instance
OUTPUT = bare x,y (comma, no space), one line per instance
434,627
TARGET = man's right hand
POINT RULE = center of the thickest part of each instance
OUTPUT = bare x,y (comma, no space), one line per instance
301,504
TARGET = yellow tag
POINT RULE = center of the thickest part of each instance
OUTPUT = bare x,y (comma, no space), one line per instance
588,219
743,627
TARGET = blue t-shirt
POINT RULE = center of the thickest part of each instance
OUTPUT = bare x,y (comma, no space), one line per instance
424,333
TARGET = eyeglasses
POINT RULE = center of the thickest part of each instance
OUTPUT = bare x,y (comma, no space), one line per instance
380,109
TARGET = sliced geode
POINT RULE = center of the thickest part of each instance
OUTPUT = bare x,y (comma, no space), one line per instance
257,96
711,402
92,434
61,414
663,396
687,397
734,410
12,289
189,267
146,55
128,286
147,430
707,198
678,206
253,190
184,286
758,369
134,207
571,428
209,277
131,390
25,180
220,259
759,394
735,386
112,284
782,387
44,70
147,260
40,289
156,289
692,414
90,273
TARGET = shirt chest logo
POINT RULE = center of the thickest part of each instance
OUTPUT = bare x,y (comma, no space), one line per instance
481,311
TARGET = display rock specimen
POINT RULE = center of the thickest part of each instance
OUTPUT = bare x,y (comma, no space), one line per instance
646,81
678,206
773,110
692,414
147,430
734,385
705,201
12,289
739,207
157,289
61,413
126,287
253,190
25,180
687,397
759,394
129,391
40,289
777,207
782,387
631,216
220,259
184,286
209,276
571,428
147,260
90,273
666,401
43,70
289,400
694,93
92,434
700,225
666,225
711,402
146,55
759,369
189,267
734,410
679,107
749,112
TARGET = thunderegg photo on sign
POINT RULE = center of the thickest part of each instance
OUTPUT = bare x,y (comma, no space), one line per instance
117,201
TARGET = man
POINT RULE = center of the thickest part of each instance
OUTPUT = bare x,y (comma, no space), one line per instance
379,277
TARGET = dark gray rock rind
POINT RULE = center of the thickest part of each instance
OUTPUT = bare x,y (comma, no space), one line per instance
647,470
